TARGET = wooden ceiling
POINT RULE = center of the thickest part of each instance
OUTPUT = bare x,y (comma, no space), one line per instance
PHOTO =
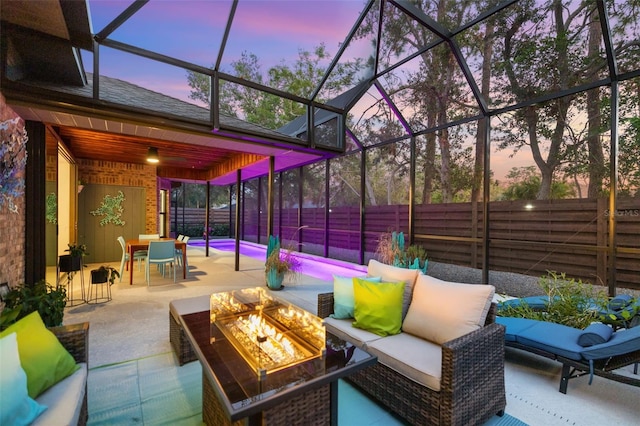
95,145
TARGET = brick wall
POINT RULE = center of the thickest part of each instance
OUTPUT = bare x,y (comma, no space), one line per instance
125,174
12,225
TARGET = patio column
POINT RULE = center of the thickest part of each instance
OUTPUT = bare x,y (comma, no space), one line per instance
237,230
35,173
270,198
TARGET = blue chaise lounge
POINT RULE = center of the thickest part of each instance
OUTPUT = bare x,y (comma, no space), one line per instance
595,350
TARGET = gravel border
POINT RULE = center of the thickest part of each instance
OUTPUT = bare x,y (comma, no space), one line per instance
507,283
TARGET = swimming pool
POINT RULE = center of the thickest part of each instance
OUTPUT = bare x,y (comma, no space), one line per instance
315,266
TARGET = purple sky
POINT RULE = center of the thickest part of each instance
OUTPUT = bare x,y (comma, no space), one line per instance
192,31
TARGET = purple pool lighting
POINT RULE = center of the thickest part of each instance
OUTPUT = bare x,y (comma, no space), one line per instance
315,266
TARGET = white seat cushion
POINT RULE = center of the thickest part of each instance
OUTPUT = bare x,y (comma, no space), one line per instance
411,356
64,400
343,329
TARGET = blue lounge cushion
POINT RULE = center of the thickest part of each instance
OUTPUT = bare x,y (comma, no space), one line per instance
537,303
620,302
547,336
564,341
622,342
514,326
595,334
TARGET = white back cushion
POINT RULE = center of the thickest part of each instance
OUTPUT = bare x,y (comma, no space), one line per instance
441,311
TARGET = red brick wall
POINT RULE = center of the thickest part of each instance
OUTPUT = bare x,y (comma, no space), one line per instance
125,174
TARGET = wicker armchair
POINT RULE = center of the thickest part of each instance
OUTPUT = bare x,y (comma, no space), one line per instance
75,339
472,384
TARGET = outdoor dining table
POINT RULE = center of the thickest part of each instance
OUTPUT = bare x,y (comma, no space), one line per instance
136,244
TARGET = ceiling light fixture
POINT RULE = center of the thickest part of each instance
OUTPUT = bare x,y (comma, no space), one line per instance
152,155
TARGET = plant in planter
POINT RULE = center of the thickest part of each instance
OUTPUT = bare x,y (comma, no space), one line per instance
279,263
49,301
392,251
416,258
105,274
77,250
72,262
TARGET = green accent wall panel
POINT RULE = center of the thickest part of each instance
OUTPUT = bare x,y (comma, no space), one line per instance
101,240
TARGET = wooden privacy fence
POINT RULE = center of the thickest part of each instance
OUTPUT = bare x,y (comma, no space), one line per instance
191,217
527,237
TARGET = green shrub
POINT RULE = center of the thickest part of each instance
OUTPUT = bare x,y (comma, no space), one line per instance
571,302
49,301
392,251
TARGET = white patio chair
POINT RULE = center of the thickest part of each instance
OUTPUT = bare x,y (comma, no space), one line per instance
139,255
161,253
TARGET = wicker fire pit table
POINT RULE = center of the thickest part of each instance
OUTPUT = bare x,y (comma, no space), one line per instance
245,380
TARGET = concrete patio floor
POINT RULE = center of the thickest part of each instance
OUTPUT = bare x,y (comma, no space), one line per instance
135,324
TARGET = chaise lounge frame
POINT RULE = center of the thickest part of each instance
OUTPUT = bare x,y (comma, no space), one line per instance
470,392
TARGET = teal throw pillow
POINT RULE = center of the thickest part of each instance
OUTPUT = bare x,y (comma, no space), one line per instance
378,306
16,407
343,295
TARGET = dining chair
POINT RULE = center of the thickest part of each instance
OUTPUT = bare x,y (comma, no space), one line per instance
139,255
144,253
161,253
185,239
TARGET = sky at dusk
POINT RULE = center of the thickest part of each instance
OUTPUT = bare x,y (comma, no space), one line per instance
192,31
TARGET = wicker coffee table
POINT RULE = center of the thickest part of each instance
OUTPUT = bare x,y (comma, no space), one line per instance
232,393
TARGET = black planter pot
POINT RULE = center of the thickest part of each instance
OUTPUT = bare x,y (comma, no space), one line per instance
68,263
99,276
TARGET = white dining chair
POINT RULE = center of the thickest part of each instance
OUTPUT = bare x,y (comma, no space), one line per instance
161,253
185,239
148,236
139,255
144,253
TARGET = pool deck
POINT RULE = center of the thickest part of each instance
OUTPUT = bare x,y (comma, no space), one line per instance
135,324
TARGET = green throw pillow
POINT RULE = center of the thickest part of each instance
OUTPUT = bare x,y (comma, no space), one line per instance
378,306
343,295
42,356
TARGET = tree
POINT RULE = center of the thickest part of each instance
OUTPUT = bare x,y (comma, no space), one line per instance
550,47
525,185
262,108
433,88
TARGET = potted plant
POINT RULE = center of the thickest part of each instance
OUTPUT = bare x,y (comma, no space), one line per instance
73,261
392,251
278,264
104,274
49,301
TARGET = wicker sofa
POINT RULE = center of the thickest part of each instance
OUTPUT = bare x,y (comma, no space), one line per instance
470,388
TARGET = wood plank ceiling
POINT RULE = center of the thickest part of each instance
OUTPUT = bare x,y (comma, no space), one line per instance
95,145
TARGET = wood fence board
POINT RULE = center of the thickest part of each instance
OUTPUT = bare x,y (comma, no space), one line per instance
547,230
